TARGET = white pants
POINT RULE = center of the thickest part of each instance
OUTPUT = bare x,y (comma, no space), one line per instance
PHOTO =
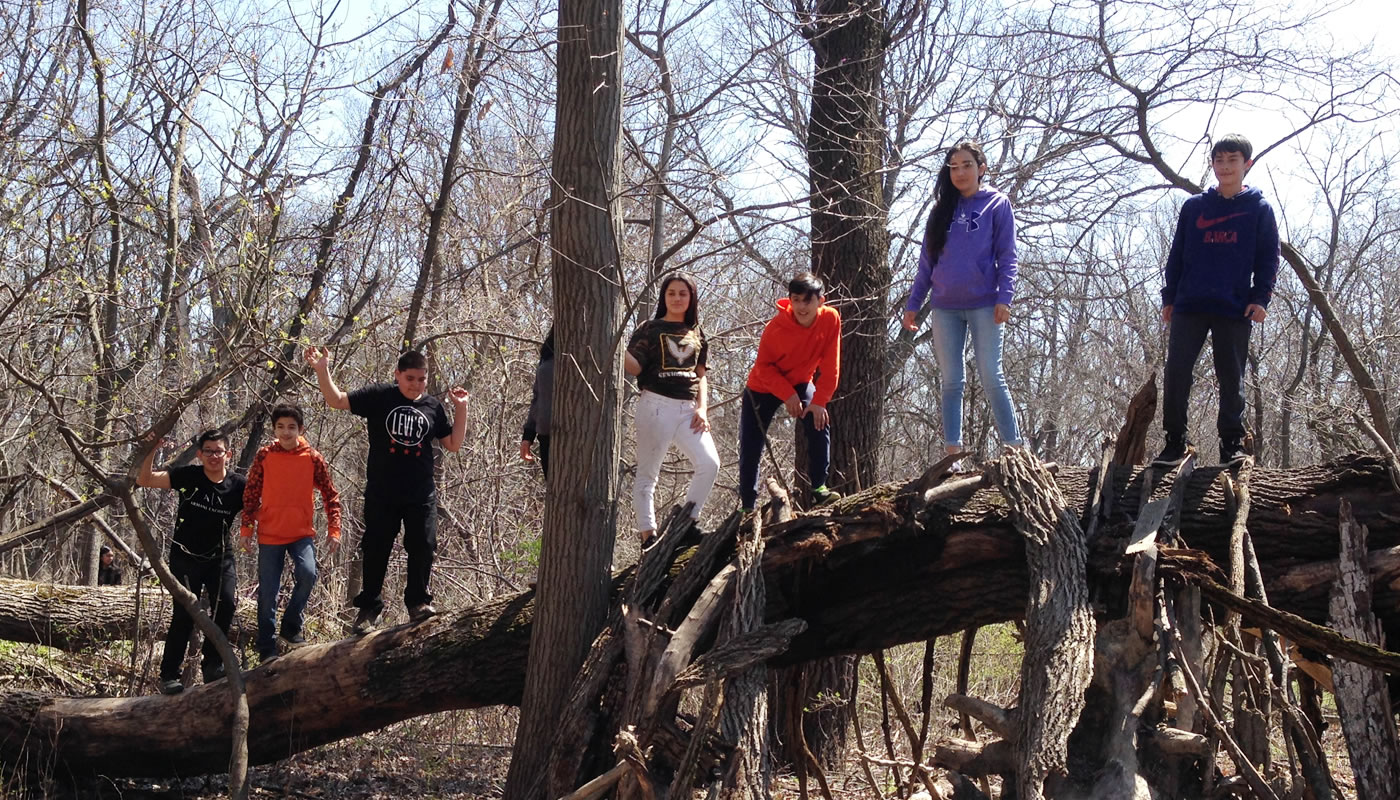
662,422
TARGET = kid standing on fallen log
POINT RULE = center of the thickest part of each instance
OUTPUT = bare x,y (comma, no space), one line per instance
403,422
967,269
278,502
668,355
1219,278
798,368
200,555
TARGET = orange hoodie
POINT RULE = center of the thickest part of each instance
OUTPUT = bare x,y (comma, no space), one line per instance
789,354
279,495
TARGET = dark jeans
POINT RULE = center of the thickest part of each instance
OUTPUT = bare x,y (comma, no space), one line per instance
543,439
1229,337
755,414
271,558
383,518
216,578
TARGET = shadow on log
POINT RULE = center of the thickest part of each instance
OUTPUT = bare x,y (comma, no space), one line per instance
877,569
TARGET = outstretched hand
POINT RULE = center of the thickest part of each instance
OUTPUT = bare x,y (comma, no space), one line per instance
318,357
458,396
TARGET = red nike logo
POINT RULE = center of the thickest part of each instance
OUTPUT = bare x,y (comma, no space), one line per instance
1205,222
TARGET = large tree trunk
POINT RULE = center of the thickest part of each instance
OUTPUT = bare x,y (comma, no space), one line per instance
581,512
850,243
882,572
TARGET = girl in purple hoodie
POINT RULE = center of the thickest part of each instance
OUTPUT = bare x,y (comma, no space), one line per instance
967,272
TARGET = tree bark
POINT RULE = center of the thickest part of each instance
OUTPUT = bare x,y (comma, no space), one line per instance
1362,700
850,244
1059,626
580,513
886,572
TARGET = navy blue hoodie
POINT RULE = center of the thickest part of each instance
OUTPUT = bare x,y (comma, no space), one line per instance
1224,255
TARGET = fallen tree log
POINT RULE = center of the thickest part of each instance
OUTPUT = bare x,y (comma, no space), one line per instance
875,570
77,617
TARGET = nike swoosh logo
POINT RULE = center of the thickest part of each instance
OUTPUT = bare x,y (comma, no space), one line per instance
1205,222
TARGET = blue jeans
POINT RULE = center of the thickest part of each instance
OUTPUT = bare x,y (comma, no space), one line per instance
270,558
950,329
756,411
1229,344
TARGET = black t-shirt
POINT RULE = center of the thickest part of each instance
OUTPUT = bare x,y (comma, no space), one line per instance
402,434
206,512
670,354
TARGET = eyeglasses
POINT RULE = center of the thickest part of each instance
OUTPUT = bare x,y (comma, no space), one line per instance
213,453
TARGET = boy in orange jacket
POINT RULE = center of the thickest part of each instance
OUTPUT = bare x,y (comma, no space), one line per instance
800,344
279,501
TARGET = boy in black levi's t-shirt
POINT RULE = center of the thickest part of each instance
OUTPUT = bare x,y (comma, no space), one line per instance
403,424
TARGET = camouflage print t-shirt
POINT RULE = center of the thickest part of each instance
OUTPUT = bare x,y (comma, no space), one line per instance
670,353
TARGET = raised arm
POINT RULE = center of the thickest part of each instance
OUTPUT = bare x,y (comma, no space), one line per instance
152,478
453,441
320,360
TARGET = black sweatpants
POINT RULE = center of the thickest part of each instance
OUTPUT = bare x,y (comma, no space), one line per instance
383,518
214,579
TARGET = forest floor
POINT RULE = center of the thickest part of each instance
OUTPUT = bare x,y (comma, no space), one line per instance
464,755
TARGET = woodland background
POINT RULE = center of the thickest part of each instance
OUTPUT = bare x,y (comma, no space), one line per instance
190,193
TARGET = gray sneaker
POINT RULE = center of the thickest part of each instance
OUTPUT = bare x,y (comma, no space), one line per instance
366,621
172,686
421,612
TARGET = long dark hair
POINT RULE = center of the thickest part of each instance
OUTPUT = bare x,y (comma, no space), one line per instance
945,200
692,311
547,349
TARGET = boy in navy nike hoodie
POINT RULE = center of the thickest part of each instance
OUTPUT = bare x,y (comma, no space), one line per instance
1219,278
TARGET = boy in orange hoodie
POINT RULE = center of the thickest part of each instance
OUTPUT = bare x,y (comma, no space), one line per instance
802,342
279,501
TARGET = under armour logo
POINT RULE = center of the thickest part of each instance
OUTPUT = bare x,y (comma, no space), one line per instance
968,219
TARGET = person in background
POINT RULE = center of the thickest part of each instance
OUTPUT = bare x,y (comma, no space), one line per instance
541,406
108,573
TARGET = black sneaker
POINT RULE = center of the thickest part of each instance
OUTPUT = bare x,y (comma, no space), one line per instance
421,612
172,686
1173,453
213,672
294,641
366,621
267,656
1232,450
822,495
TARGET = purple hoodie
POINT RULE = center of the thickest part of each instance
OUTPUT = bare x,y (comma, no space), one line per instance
978,265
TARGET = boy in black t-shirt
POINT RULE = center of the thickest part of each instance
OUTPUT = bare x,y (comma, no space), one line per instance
403,423
201,557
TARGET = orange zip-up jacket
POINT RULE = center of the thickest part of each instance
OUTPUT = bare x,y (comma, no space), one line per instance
789,354
279,495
